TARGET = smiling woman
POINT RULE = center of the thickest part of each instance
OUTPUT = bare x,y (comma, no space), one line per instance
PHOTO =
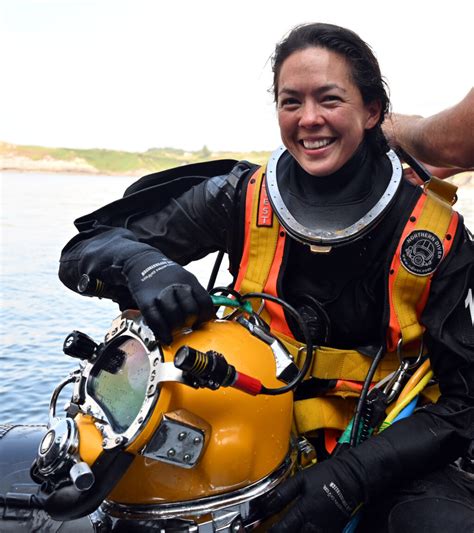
330,227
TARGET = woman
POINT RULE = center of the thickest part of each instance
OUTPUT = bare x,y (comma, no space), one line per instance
345,230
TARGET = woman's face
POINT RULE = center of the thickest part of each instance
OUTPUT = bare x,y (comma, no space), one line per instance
321,113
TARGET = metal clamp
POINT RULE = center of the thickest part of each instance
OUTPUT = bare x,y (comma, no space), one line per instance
402,359
396,383
286,368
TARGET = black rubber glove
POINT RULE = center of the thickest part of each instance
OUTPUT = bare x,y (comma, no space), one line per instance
167,295
325,495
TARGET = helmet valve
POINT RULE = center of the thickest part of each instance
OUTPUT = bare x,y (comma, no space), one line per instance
211,370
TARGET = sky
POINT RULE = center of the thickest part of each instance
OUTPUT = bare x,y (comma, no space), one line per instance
136,74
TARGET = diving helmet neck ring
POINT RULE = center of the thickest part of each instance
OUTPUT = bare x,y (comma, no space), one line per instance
320,240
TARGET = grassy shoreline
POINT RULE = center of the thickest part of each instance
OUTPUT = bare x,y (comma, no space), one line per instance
113,162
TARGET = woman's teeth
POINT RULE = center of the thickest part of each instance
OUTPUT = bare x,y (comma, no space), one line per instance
313,145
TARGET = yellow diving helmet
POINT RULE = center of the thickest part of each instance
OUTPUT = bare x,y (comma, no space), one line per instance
176,434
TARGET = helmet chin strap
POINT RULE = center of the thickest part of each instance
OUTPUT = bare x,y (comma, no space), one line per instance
320,239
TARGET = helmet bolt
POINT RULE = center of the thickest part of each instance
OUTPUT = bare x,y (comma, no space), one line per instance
186,457
171,452
182,435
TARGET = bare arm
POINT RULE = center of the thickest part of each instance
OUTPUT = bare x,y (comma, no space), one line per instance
442,140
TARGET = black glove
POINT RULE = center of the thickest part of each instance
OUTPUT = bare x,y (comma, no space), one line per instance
167,295
326,496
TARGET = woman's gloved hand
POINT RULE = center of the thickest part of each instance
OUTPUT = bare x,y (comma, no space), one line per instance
167,295
325,496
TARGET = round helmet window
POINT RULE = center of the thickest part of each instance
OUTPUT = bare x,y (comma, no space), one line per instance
118,382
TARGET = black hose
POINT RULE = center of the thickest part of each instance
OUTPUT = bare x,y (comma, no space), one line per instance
21,500
307,337
215,271
363,396
418,167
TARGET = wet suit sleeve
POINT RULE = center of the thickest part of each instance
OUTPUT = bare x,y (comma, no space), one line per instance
186,228
432,437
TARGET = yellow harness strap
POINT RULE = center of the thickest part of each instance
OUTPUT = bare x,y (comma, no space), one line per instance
334,363
443,189
408,292
323,412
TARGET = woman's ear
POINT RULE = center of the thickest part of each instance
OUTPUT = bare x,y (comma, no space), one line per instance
373,114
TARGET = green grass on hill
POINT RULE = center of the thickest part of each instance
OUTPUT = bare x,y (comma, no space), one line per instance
119,162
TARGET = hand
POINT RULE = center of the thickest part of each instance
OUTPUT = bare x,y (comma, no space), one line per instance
167,295
326,495
394,123
440,172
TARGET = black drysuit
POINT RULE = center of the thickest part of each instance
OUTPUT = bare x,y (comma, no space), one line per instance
350,283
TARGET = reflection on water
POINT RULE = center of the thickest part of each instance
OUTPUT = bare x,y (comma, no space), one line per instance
37,311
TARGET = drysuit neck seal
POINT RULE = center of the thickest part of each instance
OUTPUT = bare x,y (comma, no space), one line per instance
323,212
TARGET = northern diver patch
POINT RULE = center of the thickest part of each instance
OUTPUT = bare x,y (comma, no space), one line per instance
421,252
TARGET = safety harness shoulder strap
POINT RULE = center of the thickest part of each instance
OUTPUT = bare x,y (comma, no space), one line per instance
426,240
264,244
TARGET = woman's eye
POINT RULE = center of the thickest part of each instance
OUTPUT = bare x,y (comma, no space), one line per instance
332,98
289,102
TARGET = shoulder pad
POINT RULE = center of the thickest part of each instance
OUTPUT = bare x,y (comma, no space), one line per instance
207,169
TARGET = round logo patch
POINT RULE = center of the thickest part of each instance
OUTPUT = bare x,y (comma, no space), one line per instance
421,252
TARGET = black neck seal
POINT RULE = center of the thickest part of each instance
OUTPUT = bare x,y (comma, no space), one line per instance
328,211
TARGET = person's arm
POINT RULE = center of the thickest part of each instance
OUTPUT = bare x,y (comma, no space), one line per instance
444,140
140,259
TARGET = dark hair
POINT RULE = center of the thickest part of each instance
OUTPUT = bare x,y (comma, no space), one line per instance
364,66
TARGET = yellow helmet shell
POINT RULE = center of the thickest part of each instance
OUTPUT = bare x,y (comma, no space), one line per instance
246,437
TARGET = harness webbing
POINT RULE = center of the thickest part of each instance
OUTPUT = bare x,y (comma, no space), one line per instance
408,292
259,271
259,246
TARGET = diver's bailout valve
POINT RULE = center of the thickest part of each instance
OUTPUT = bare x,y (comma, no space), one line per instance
58,452
58,455
211,370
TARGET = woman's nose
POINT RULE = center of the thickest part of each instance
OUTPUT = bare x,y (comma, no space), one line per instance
311,116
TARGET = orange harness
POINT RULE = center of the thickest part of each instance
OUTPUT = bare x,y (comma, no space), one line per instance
431,226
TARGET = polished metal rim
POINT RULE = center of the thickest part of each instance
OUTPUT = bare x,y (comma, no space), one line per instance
246,496
322,237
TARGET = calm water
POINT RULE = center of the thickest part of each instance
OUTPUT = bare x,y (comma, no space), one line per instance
37,312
